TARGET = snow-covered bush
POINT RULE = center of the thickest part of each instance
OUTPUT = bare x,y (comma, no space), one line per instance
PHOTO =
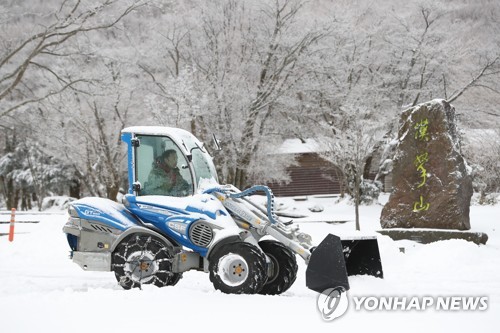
370,191
31,172
317,208
56,202
485,199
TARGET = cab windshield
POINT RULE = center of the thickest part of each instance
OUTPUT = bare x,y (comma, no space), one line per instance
161,167
202,161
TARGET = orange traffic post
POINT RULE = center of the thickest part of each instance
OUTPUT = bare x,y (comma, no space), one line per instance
12,220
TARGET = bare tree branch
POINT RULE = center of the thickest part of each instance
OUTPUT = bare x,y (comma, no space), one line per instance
39,99
475,79
55,35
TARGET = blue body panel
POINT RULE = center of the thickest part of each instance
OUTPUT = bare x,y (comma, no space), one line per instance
171,221
105,211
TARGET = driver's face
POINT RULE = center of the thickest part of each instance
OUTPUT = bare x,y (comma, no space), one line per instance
171,160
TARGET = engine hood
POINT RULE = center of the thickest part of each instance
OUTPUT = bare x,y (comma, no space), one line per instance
198,206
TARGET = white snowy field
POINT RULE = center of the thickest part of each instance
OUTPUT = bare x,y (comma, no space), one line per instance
41,290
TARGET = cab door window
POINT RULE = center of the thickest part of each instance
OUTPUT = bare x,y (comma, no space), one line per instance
161,168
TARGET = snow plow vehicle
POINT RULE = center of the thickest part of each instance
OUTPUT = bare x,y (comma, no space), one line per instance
153,237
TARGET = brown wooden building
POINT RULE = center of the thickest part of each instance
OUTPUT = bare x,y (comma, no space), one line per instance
316,176
313,174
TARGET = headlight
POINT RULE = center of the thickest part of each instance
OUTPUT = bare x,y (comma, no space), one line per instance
154,209
72,211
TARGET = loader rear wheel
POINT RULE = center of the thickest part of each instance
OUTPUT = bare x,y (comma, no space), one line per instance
144,259
284,267
238,268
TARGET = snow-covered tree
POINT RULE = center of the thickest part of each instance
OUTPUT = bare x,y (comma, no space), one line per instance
251,56
38,46
27,173
90,138
482,150
350,139
254,73
63,78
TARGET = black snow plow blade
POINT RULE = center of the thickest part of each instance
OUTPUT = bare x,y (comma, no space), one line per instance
326,268
334,259
362,257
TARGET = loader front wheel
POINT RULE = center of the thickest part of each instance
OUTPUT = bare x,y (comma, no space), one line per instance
238,268
144,259
284,267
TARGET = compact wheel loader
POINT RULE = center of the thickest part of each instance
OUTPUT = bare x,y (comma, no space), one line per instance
153,238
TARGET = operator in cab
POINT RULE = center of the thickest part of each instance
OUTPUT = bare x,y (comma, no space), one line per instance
165,178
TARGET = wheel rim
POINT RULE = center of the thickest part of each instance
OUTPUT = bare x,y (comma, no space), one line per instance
275,268
232,269
141,266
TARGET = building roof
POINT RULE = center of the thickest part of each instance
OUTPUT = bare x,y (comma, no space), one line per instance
296,146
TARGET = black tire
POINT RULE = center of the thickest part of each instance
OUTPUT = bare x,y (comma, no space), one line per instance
284,267
144,259
238,268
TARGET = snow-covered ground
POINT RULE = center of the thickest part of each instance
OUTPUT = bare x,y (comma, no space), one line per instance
41,290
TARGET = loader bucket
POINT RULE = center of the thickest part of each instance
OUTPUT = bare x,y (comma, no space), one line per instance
362,256
326,268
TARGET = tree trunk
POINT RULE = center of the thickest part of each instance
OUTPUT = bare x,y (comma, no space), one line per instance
2,187
342,179
482,197
31,198
74,187
12,195
240,178
24,204
112,192
357,196
15,203
26,201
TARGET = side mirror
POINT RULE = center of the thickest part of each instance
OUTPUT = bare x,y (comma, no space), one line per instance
216,143
136,186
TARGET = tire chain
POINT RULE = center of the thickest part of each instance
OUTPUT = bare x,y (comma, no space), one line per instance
136,243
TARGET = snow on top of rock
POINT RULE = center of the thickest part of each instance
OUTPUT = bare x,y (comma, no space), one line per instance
428,103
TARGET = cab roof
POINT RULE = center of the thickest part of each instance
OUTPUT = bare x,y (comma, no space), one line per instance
156,130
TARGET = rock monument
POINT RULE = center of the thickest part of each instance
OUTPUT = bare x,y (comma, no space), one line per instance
432,186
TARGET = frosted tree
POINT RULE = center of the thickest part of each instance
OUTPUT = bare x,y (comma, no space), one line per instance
82,123
251,56
254,73
37,46
350,139
483,154
27,173
90,139
416,62
445,50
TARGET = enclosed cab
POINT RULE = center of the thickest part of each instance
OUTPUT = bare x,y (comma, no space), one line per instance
146,146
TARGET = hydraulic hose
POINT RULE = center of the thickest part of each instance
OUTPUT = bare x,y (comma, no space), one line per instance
256,188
